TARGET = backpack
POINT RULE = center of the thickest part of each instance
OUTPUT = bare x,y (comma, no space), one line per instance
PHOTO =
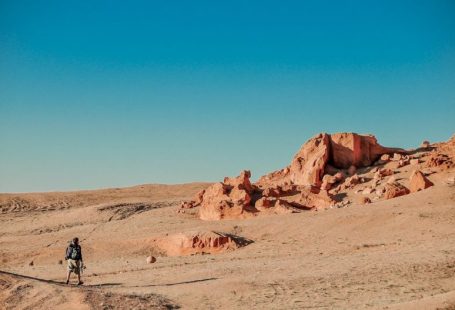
73,254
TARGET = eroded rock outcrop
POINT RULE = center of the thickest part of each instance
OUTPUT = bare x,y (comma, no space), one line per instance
196,242
351,149
307,166
324,167
418,181
227,200
237,198
323,153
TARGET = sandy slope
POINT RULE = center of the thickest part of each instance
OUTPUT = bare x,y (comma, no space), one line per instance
395,254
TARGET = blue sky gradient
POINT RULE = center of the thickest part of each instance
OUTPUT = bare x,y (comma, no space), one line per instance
113,93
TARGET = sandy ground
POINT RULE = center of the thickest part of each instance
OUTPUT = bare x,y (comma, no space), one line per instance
394,254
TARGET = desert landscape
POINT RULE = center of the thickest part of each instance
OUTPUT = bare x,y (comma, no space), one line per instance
349,224
227,155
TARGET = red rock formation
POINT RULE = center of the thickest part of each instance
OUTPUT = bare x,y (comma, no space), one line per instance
240,182
418,181
323,154
190,243
230,199
357,150
307,167
298,185
233,199
395,190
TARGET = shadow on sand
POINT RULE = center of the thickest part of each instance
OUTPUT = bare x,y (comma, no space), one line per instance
53,281
176,283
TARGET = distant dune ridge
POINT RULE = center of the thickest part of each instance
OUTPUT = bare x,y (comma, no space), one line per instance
347,224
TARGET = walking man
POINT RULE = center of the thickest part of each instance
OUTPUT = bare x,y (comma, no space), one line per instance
74,257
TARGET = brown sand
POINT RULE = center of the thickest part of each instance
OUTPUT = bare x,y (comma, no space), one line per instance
393,254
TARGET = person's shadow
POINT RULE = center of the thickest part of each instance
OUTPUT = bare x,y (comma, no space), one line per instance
176,283
54,282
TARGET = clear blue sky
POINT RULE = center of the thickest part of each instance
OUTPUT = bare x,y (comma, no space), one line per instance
114,93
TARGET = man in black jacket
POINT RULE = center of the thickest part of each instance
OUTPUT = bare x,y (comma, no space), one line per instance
74,257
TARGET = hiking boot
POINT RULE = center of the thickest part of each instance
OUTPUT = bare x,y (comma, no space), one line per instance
67,281
80,283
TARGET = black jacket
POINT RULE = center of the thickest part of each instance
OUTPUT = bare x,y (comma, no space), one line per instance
69,251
